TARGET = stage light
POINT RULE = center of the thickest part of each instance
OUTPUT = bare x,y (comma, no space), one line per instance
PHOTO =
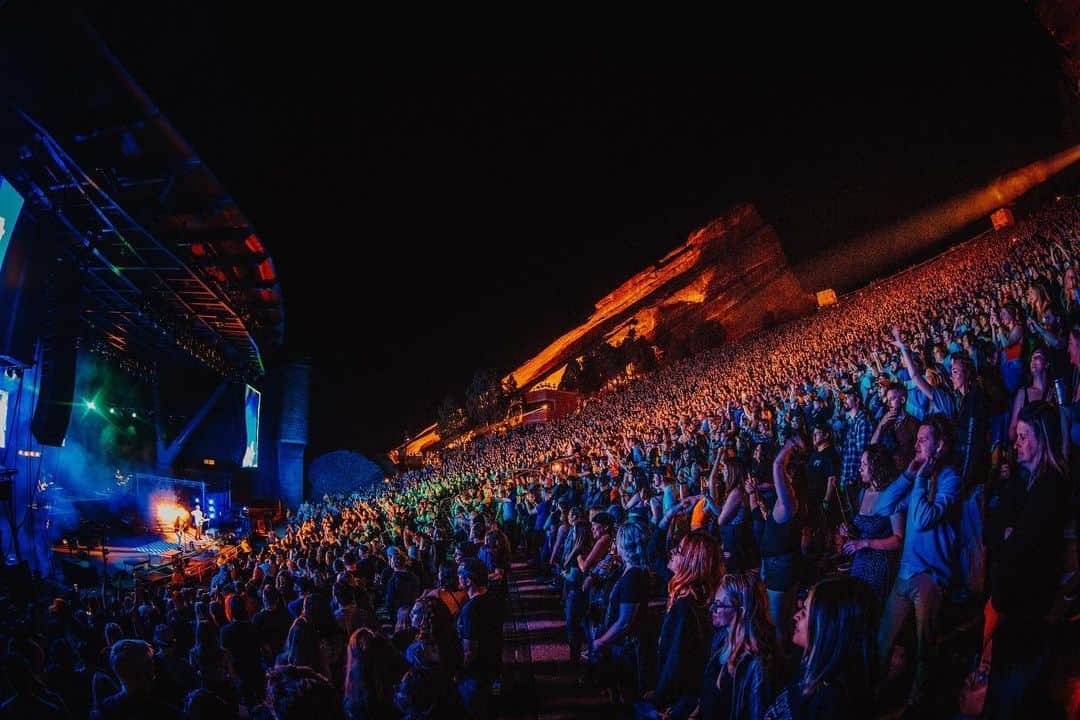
112,411
134,416
211,501
167,512
91,405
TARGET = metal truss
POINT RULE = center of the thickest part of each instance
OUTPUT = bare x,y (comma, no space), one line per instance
139,294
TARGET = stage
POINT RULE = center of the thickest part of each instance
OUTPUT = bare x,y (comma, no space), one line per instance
149,558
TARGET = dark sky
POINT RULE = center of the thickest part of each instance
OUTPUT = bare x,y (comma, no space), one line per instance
440,203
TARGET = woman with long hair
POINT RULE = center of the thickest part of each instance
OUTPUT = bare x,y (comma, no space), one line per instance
876,534
624,643
733,518
303,647
579,543
1026,539
742,675
372,668
1008,336
436,646
836,630
697,565
1044,320
1040,388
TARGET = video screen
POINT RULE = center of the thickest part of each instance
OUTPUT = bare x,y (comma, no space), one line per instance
11,204
3,418
252,402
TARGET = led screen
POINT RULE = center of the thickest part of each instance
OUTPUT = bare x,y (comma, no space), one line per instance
11,204
252,401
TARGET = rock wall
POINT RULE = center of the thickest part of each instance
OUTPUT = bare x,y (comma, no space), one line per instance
732,271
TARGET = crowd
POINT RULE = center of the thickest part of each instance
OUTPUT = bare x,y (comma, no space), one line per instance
800,524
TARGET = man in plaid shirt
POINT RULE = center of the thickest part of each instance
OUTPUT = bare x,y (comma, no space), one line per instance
857,437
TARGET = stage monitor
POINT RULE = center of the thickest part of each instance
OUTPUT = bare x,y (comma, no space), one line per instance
11,204
252,402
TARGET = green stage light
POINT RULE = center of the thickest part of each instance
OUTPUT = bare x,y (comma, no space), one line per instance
112,411
134,416
91,405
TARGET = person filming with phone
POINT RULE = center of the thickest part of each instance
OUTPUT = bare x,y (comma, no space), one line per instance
932,489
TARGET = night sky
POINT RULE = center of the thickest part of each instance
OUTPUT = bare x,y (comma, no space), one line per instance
441,203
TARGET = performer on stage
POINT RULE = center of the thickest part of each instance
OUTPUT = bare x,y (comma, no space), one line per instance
197,520
178,528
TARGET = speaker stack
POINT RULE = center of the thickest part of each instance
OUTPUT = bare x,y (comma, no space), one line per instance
59,334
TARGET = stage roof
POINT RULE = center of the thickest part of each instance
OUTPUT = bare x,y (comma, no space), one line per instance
171,266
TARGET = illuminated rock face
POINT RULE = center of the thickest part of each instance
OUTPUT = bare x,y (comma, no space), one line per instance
732,271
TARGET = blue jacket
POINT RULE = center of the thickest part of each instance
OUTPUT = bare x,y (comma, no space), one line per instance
930,532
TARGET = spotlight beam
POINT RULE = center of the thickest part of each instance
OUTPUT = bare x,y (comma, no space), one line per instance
857,261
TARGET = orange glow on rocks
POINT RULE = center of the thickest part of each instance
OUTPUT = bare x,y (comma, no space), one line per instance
732,270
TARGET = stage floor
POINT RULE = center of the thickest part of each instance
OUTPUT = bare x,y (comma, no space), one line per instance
147,556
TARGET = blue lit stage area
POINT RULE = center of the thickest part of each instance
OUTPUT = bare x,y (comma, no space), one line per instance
143,379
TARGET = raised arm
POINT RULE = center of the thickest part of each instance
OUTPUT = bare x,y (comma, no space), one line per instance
786,503
731,506
909,365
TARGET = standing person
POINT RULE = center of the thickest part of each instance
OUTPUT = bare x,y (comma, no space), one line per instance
835,629
743,673
579,544
625,642
242,641
197,518
132,661
1040,388
859,430
733,518
1025,531
698,565
823,468
781,540
930,489
480,632
876,533
964,403
897,429
1008,337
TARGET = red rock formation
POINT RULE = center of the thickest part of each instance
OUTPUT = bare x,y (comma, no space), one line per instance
732,271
